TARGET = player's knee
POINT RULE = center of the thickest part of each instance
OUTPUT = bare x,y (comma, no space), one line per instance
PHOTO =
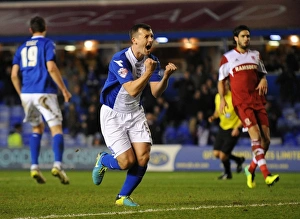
216,153
126,163
144,159
56,129
39,128
223,157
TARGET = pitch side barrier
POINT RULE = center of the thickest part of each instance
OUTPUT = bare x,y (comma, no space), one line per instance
163,158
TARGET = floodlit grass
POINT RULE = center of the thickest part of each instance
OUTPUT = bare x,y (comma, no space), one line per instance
160,195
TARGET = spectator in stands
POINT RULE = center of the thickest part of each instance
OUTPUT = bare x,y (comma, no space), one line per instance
76,96
178,132
184,135
288,81
92,80
198,76
196,104
186,89
208,100
92,123
160,110
5,67
207,65
155,128
14,139
72,120
98,140
274,113
199,129
211,86
170,133
148,100
11,97
273,62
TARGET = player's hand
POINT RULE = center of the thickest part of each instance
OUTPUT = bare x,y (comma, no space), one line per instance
211,119
170,69
67,95
262,87
150,65
235,132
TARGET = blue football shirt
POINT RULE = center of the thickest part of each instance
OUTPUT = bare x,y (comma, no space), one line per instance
124,67
32,57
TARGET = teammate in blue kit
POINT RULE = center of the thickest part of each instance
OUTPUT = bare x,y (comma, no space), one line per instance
122,118
35,59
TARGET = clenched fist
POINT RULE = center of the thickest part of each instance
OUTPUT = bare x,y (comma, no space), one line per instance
150,65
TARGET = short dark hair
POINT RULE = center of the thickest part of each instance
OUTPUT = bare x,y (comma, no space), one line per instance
37,24
17,125
135,28
237,31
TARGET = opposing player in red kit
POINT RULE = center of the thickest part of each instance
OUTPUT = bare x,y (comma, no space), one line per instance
247,75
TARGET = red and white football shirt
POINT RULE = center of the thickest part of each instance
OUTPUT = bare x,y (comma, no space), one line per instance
242,70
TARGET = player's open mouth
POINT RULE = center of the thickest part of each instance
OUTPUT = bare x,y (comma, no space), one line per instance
148,47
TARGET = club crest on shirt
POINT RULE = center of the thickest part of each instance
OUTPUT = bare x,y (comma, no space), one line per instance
122,72
247,121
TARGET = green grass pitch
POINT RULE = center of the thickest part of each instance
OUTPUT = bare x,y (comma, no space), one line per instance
160,195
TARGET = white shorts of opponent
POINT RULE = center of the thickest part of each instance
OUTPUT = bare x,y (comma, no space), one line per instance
121,129
38,105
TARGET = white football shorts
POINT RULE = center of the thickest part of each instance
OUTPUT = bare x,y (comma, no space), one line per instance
38,105
121,129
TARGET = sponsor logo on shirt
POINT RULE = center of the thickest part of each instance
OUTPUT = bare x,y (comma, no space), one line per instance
245,67
119,62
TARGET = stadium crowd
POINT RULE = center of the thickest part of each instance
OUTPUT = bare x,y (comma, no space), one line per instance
181,115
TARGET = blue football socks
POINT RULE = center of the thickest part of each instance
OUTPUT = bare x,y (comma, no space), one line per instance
134,177
58,147
110,162
35,145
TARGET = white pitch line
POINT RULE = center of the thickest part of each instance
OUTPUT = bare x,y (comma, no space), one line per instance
159,210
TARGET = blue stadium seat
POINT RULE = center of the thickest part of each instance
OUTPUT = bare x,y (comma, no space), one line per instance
170,135
26,138
289,139
4,113
289,113
298,139
17,110
69,141
297,107
3,140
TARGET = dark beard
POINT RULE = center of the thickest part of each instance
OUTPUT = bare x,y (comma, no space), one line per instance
244,47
